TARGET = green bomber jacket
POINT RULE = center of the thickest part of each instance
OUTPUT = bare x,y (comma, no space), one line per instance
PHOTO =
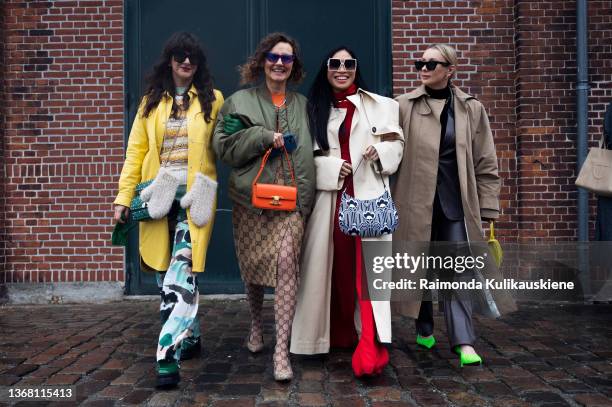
243,151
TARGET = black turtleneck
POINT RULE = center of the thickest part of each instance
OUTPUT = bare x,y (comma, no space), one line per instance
438,93
444,93
448,190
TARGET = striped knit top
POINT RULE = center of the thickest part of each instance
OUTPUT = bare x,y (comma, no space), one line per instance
174,148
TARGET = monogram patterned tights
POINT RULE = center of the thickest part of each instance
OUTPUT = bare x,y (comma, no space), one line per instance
255,294
284,308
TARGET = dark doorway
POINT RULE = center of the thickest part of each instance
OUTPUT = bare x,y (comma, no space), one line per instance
229,31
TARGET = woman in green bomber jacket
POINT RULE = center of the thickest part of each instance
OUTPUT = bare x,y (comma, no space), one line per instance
268,243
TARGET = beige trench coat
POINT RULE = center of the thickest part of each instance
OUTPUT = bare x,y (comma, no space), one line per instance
416,178
310,332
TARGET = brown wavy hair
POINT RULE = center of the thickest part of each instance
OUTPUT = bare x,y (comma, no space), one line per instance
253,69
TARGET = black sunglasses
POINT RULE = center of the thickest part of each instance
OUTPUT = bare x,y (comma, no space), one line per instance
180,55
286,59
334,64
430,65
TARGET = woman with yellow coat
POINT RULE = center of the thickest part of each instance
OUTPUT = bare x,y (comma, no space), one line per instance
170,143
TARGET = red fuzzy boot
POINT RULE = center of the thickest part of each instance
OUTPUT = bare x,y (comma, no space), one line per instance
370,357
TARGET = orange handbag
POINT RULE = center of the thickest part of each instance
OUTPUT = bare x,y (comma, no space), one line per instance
274,196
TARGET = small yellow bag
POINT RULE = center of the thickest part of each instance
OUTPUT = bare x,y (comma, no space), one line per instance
495,247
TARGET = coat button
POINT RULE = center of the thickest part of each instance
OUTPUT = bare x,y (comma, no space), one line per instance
373,129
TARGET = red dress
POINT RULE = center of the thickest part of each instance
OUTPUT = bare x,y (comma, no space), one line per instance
370,357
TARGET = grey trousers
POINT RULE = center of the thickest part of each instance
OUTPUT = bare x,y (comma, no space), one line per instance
457,311
458,317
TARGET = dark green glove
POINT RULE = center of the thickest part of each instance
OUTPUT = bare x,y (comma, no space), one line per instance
232,124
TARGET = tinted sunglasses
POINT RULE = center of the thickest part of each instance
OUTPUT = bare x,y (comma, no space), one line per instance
181,55
430,65
334,64
286,59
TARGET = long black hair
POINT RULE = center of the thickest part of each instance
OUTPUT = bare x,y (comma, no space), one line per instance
321,98
160,81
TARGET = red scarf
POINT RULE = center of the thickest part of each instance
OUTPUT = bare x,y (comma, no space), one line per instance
342,95
341,101
370,356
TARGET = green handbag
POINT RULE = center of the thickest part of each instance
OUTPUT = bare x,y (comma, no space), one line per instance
138,209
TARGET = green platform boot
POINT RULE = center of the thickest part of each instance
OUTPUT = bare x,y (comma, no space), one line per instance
190,348
167,374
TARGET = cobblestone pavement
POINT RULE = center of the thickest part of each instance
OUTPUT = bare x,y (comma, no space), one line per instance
557,355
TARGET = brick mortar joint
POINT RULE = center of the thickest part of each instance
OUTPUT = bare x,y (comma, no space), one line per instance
3,169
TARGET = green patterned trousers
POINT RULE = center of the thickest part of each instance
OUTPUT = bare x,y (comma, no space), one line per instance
179,299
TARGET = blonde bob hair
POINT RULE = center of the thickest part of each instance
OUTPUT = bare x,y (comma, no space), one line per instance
449,53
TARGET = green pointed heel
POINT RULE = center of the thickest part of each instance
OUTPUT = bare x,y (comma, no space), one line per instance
467,359
426,342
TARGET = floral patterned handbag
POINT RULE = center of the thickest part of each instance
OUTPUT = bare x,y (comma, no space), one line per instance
367,217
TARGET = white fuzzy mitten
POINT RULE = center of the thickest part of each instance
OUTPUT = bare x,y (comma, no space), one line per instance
200,199
160,194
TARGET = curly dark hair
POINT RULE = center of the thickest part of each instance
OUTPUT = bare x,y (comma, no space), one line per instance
253,69
159,80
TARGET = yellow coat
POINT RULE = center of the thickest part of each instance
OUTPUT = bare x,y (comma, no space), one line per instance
142,164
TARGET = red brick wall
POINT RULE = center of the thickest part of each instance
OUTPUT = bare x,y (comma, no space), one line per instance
64,138
546,110
484,38
63,90
2,140
518,58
